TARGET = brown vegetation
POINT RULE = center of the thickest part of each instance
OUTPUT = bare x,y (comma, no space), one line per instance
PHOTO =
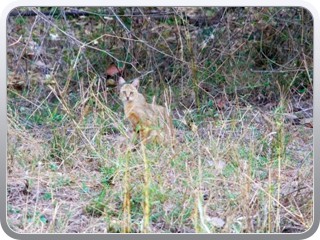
240,87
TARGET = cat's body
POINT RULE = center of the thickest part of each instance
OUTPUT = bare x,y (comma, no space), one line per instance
151,122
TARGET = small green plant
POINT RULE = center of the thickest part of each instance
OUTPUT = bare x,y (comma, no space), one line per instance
97,206
47,196
107,175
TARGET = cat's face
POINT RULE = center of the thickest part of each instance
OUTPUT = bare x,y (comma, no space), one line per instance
128,92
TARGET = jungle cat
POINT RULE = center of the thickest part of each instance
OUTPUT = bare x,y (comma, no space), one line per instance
150,122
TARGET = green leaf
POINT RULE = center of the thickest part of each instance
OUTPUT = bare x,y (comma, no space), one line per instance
47,196
43,219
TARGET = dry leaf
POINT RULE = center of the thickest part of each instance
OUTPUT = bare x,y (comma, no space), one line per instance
113,70
215,221
194,127
220,103
220,165
111,82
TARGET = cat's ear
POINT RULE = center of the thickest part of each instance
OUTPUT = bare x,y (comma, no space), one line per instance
136,82
121,81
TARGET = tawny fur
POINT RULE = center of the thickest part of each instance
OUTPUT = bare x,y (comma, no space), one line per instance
150,122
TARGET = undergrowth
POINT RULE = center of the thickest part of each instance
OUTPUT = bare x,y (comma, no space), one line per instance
239,82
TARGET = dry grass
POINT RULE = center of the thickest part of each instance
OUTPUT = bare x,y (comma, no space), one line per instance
228,171
238,167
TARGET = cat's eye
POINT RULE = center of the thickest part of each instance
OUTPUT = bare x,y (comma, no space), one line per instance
131,93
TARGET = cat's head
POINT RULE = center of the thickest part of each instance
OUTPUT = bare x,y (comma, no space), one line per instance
128,92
